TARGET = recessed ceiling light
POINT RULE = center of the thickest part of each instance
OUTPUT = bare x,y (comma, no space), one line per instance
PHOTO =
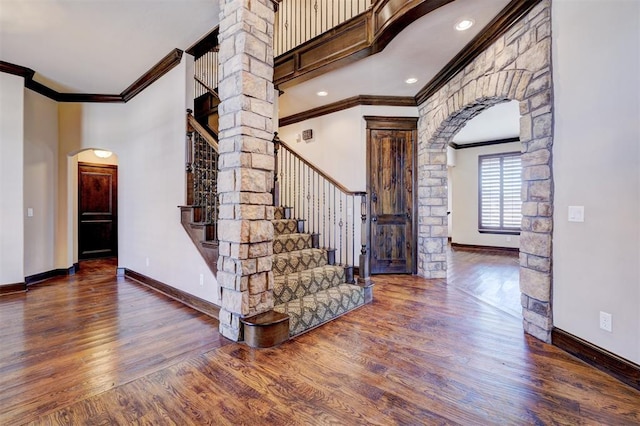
411,80
464,24
322,93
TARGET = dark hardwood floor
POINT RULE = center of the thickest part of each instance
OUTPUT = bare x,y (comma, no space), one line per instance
491,276
96,349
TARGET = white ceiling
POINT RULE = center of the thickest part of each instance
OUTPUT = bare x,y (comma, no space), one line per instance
501,121
98,46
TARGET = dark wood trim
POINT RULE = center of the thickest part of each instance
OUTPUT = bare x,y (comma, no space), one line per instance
618,367
483,143
12,288
165,65
158,70
205,44
190,300
390,18
511,14
18,70
391,123
42,276
484,249
346,104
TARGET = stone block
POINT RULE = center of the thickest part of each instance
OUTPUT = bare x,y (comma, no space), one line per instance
248,267
535,243
537,332
535,284
537,57
235,231
542,321
525,128
529,209
262,161
236,302
539,157
264,264
536,173
260,249
249,211
542,224
250,180
539,190
542,126
260,230
258,283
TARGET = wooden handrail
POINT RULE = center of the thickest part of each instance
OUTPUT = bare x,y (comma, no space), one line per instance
202,131
206,86
320,172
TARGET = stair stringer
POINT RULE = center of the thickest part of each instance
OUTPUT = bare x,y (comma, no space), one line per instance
199,233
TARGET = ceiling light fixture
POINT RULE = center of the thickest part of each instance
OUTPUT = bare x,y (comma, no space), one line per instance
322,93
102,154
411,80
464,24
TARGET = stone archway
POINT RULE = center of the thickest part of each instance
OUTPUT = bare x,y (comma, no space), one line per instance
516,67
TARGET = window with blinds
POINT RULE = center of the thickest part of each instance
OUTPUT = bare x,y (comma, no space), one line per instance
500,204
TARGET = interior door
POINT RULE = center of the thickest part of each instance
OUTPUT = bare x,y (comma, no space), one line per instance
390,148
97,211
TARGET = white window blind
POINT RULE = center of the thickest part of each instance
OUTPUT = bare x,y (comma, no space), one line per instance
500,188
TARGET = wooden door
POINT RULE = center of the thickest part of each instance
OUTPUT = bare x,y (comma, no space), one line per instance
391,159
97,211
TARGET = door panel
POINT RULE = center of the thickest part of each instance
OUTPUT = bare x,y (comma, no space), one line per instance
97,211
390,179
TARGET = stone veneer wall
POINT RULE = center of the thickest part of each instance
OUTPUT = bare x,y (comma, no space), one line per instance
516,67
246,161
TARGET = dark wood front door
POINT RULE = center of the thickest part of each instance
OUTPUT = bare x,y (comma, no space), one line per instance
97,211
390,151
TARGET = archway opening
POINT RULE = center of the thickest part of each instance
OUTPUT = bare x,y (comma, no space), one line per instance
484,207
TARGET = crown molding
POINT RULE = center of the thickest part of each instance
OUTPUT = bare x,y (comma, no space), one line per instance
510,15
158,70
348,103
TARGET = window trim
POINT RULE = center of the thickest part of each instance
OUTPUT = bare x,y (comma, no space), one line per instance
501,230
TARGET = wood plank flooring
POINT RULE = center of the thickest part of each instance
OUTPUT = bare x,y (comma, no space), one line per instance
95,349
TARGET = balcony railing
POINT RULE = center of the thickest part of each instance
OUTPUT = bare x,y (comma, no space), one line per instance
298,21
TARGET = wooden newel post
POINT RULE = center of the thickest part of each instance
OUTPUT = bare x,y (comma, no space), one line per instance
364,276
276,189
189,159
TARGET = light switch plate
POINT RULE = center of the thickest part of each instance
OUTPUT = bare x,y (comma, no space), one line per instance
576,213
29,212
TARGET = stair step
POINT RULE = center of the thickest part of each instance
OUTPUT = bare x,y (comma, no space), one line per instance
296,261
313,310
299,284
282,213
285,226
291,242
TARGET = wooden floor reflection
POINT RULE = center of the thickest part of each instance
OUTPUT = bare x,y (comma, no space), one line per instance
95,349
490,276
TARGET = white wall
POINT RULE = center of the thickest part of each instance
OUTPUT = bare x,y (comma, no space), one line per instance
596,158
464,204
11,176
40,182
339,143
148,136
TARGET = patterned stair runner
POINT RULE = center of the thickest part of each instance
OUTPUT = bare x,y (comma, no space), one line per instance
306,287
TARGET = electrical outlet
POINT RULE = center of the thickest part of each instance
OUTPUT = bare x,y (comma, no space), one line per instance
605,321
201,280
147,261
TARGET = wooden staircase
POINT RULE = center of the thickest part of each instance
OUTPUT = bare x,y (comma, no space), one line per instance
201,233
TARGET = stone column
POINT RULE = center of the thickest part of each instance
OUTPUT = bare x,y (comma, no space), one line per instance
246,161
